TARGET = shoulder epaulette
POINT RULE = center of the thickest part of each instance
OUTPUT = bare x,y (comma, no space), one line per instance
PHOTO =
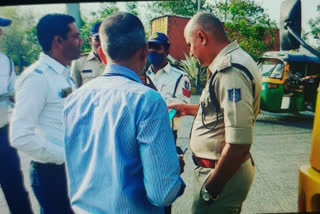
225,63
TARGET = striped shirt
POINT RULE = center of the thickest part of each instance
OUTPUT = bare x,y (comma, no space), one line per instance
120,151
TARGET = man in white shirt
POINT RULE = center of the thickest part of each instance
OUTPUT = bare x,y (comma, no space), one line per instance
11,178
37,125
172,83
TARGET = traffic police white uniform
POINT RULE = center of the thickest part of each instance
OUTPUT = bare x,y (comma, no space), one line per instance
238,98
173,85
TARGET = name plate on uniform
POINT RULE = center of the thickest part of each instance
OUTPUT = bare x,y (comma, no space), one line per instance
87,71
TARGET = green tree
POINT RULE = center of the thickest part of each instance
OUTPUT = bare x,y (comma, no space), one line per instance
87,22
181,8
244,20
315,27
131,7
20,41
247,22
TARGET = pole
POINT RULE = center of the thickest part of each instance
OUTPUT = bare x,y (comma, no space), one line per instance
199,5
73,9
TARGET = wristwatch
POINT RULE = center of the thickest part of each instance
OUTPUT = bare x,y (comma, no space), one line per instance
206,196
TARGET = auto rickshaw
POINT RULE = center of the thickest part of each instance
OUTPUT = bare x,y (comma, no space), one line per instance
289,81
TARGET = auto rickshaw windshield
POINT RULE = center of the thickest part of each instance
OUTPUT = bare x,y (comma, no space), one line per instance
271,68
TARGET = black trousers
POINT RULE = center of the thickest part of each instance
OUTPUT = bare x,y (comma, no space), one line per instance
49,184
11,177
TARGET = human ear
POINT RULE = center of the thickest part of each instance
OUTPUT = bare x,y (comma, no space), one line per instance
203,37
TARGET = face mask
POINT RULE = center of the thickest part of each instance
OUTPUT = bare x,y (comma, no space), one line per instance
155,58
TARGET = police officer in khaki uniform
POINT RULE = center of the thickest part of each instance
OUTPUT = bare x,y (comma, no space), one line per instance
172,83
221,135
89,65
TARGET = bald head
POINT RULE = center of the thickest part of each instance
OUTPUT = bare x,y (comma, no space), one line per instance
207,23
205,36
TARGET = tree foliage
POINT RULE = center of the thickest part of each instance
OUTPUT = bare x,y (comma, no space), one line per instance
181,8
20,41
315,26
87,22
247,22
244,20
131,7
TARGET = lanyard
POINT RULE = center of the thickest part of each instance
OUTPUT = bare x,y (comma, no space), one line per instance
117,74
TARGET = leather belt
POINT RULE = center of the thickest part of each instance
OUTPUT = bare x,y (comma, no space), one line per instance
202,162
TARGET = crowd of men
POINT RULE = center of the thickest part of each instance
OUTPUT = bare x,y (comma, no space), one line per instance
100,137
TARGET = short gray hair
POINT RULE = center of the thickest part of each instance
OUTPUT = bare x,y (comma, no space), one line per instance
122,35
209,23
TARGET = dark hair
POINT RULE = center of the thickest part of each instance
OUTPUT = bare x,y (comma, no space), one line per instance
50,26
122,35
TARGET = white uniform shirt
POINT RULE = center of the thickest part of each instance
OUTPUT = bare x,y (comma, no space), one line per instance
165,81
37,121
7,80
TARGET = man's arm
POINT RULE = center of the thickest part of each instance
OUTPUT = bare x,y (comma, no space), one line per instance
232,156
159,157
75,74
31,95
184,109
234,93
12,77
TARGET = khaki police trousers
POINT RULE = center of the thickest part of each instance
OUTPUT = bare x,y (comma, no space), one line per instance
232,196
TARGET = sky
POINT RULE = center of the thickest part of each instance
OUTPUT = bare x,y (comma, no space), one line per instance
272,7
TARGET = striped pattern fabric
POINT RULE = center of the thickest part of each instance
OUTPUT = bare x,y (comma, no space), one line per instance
119,148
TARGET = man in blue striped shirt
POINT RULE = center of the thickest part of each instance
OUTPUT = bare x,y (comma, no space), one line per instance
120,151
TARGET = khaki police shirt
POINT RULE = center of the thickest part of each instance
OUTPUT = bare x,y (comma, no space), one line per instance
239,109
86,68
165,81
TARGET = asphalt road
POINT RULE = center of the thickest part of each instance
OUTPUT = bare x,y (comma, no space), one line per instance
281,144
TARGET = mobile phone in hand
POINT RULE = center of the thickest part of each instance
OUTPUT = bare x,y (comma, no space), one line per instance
172,112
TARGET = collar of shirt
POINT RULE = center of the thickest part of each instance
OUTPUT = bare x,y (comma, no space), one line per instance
53,64
92,56
226,50
119,70
165,69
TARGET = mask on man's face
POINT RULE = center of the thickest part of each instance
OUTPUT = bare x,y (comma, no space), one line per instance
155,58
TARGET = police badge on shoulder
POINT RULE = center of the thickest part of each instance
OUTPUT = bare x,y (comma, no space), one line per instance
234,94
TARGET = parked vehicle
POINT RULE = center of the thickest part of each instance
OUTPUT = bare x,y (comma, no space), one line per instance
289,81
309,175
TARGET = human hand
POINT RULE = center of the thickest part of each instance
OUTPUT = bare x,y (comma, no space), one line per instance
181,162
180,108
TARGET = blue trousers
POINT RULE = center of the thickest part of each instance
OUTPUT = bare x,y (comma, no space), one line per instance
49,184
11,178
